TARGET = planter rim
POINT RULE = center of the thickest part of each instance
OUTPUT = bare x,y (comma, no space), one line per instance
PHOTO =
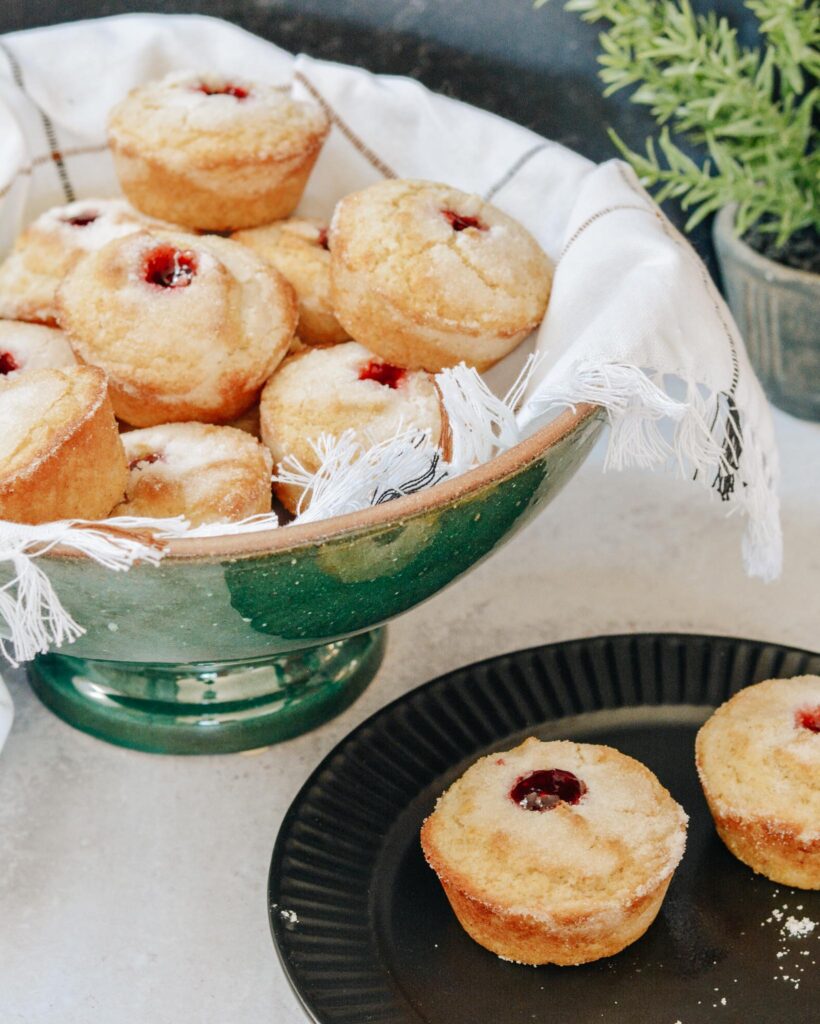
724,231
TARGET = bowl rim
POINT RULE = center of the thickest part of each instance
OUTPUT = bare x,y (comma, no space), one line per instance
281,539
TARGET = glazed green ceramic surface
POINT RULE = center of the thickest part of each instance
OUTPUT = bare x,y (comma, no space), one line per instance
160,629
208,708
244,608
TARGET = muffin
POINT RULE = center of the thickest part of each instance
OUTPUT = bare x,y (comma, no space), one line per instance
187,328
51,245
555,852
25,346
60,454
426,276
207,474
758,759
326,391
248,421
299,250
214,153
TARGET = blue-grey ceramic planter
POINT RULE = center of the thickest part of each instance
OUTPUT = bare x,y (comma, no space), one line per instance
777,310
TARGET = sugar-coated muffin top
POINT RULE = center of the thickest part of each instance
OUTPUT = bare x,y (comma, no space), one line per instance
52,244
191,319
39,410
442,256
25,347
606,833
759,756
206,473
330,390
87,224
200,118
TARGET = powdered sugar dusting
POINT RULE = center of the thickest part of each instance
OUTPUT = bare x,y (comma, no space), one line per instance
112,218
195,108
33,347
798,929
797,943
289,917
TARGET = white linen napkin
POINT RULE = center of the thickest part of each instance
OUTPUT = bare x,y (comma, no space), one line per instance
634,325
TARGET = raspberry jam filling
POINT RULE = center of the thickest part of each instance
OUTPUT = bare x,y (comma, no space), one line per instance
546,788
147,460
167,267
806,718
236,91
8,364
382,373
322,239
459,222
82,220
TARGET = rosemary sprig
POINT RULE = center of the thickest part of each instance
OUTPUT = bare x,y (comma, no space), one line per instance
753,111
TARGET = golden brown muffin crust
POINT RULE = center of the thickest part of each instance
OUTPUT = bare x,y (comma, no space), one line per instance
199,350
321,391
298,249
60,453
206,473
567,884
760,772
426,275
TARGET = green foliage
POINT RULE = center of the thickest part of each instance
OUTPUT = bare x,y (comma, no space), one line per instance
753,110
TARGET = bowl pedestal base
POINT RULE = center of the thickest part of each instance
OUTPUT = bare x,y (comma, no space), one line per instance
208,708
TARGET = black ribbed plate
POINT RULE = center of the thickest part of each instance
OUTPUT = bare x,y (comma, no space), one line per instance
365,933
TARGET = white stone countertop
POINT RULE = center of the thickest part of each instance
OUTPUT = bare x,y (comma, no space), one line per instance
133,886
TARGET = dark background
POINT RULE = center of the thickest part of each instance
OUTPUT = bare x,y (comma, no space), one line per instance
534,67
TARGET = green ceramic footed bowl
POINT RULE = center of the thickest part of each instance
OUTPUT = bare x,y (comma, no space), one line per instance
236,642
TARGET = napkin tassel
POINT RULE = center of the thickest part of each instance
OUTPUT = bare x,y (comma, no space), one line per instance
701,436
33,617
350,475
481,423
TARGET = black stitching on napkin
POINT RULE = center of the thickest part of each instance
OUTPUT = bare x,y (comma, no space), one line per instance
38,161
508,176
428,478
724,482
48,127
357,143
596,217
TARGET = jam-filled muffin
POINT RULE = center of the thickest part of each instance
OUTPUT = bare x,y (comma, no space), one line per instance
555,852
758,758
60,454
215,153
50,247
187,327
25,346
326,391
299,249
427,276
207,474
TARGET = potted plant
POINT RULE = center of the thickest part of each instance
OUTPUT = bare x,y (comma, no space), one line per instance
749,115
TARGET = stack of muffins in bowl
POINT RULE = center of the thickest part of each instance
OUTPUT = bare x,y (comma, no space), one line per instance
166,353
204,302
